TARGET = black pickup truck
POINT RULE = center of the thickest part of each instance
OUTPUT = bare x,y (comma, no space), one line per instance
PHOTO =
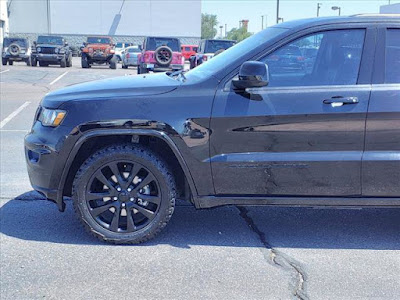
266,122
51,50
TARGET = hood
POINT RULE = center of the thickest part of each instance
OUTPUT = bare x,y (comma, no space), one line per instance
98,46
119,87
48,45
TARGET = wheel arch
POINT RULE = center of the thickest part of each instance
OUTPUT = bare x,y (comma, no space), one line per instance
157,141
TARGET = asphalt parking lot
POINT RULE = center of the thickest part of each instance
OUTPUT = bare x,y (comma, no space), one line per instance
221,253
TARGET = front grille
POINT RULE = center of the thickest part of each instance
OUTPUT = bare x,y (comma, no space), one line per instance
47,50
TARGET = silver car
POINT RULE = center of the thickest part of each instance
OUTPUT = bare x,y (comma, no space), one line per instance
130,56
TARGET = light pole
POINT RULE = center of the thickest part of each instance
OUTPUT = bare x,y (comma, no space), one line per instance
336,8
262,21
318,8
277,11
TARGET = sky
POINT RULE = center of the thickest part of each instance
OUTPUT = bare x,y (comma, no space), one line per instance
230,12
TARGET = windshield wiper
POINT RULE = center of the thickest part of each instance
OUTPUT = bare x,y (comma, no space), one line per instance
180,73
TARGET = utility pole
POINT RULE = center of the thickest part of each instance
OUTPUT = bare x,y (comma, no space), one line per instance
318,8
277,11
262,22
220,27
226,30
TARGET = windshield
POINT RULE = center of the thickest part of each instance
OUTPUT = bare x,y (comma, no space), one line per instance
214,46
54,40
154,43
240,49
19,42
98,40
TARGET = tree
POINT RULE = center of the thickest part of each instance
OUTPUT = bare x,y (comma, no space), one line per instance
238,34
208,26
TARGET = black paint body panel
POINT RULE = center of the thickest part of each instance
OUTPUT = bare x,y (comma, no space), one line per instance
277,146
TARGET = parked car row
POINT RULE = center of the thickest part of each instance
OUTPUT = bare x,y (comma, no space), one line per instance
157,54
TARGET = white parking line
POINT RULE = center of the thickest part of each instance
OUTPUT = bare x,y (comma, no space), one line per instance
58,78
4,71
13,114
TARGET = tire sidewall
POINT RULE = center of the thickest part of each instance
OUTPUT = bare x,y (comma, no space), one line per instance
128,155
156,57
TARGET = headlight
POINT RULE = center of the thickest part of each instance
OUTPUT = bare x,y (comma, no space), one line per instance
38,49
56,50
52,117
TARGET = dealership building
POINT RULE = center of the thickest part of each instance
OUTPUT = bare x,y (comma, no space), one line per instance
125,20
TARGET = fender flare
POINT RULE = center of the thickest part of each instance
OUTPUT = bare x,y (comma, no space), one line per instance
104,132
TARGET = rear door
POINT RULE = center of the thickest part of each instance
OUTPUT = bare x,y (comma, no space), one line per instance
302,135
381,161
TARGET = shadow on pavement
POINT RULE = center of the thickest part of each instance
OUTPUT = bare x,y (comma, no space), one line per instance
30,217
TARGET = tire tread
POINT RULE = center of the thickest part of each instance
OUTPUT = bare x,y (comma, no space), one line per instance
144,153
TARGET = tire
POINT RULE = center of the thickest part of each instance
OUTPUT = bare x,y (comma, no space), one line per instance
69,61
142,70
14,49
10,62
28,61
4,61
84,62
107,218
192,61
63,62
33,62
113,63
163,56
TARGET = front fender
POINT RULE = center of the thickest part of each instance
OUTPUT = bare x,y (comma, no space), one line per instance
113,132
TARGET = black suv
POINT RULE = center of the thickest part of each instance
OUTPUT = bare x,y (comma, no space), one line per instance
231,131
15,49
51,50
208,49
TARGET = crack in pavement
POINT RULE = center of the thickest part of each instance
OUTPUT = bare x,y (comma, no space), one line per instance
278,258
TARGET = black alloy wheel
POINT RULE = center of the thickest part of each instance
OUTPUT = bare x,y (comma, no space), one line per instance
124,194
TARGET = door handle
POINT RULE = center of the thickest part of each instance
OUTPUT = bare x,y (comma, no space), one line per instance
339,101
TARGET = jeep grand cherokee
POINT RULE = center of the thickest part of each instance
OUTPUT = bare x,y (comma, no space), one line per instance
231,131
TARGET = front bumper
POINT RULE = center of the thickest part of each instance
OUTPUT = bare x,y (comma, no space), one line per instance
45,162
19,57
56,58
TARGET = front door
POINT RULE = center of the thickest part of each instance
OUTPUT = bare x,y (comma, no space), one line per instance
302,135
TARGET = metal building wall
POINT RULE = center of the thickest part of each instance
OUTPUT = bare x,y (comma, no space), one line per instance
132,17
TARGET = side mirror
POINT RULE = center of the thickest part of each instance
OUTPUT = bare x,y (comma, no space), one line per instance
34,43
252,74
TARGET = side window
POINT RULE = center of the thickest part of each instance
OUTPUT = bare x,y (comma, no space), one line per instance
392,65
326,58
